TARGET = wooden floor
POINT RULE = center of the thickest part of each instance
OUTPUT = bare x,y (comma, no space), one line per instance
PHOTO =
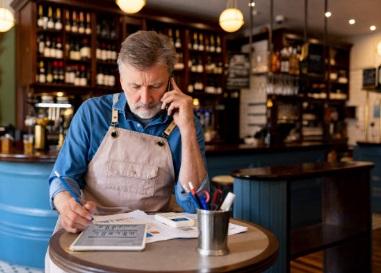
313,263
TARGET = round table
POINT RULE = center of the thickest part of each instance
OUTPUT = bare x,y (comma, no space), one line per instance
252,251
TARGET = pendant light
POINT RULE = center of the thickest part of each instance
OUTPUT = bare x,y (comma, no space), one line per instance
231,19
7,21
131,6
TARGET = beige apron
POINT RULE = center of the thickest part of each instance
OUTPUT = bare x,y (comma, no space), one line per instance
129,171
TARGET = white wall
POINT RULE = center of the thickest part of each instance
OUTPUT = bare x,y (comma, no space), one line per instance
363,55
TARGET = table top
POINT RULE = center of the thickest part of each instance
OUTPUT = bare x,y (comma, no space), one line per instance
251,251
300,171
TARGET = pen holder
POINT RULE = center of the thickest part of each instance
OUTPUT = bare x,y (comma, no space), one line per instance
213,232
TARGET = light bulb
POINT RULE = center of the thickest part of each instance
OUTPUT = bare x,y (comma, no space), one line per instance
7,20
131,6
231,19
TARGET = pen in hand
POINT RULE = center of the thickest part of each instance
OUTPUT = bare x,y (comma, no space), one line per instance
71,192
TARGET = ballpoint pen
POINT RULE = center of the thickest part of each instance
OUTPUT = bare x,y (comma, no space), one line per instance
194,196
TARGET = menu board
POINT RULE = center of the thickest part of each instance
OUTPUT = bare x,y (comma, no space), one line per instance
238,71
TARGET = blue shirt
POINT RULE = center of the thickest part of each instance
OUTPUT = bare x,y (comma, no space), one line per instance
87,130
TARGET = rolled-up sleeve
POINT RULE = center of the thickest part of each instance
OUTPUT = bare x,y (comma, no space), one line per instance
72,159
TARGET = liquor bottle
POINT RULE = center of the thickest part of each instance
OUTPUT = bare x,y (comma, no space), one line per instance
40,19
74,23
41,74
200,66
41,44
55,72
195,42
207,48
212,47
50,23
100,77
59,50
49,74
67,21
98,52
218,45
201,42
103,52
61,72
81,27
170,35
85,50
88,24
58,23
193,67
178,40
83,76
47,47
53,49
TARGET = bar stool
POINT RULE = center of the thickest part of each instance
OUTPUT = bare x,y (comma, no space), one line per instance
223,182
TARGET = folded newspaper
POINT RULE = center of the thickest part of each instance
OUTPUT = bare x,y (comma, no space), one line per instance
157,231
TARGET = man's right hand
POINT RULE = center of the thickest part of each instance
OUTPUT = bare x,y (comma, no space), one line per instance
74,217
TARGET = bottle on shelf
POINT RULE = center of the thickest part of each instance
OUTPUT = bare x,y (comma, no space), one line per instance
47,47
85,51
88,24
81,26
41,44
201,42
50,23
178,40
212,47
74,23
49,73
218,44
67,21
58,23
59,50
195,41
41,20
41,73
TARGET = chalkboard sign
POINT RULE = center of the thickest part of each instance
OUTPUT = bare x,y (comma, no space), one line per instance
238,71
369,79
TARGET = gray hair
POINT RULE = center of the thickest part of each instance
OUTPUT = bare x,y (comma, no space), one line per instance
144,49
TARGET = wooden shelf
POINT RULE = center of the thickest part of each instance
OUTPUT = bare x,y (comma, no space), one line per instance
313,238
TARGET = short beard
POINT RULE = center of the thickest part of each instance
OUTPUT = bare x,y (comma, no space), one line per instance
145,111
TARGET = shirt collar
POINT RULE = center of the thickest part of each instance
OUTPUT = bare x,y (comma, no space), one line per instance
122,107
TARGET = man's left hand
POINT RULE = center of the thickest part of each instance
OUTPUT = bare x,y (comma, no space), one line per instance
180,106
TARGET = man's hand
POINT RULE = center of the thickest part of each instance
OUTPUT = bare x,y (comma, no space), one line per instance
180,106
74,217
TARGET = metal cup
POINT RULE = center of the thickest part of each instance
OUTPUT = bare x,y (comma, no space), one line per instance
213,232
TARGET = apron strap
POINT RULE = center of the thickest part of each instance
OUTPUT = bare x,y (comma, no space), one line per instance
169,130
114,115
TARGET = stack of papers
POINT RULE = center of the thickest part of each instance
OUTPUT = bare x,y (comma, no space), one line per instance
157,231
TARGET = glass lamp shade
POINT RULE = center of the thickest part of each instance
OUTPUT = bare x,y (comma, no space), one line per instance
231,19
131,6
7,20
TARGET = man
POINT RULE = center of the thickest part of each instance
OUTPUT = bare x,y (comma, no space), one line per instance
122,150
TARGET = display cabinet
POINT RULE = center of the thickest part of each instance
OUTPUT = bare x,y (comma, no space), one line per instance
67,51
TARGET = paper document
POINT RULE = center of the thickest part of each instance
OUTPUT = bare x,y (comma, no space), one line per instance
157,231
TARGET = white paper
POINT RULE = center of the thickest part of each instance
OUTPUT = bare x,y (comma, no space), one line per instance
157,231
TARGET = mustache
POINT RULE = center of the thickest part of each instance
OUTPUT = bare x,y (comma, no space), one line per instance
147,106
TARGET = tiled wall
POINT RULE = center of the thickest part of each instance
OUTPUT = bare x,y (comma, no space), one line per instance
363,55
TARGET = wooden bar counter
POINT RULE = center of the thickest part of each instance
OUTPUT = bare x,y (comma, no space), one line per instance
263,196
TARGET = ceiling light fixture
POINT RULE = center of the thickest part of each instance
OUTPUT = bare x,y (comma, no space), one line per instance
328,14
372,28
131,6
352,21
7,20
251,3
231,19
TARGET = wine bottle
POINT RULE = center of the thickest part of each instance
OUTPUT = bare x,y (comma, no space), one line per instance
41,75
218,45
67,21
88,24
74,23
40,19
201,42
59,51
50,23
195,42
178,40
81,27
58,23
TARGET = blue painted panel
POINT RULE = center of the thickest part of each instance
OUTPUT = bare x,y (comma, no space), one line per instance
265,204
26,220
373,154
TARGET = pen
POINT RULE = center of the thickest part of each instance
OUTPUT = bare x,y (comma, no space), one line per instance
194,196
67,187
226,205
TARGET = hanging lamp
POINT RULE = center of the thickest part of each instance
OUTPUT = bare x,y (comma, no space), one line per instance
131,6
231,19
7,20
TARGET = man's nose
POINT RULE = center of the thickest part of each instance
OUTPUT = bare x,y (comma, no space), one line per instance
145,96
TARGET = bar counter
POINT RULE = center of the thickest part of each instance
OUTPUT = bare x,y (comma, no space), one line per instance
371,151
